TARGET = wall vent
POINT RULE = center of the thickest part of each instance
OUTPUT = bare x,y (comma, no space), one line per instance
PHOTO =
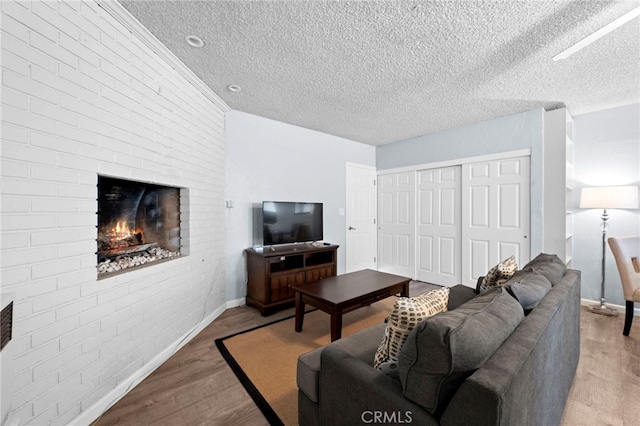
6,324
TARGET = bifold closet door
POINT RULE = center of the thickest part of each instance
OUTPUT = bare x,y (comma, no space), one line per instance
495,206
396,223
438,226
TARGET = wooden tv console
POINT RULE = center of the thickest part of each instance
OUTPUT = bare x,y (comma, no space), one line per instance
273,271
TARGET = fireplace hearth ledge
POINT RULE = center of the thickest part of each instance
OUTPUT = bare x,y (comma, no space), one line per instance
110,267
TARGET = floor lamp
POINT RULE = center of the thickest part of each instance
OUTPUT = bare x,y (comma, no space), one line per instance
607,197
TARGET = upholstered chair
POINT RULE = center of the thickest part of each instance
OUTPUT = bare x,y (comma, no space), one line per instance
626,251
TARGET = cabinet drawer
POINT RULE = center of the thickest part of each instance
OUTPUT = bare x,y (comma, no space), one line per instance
282,286
320,273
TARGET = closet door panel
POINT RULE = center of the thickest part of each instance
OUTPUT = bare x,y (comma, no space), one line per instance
396,223
448,253
495,205
478,208
509,202
426,252
438,227
478,259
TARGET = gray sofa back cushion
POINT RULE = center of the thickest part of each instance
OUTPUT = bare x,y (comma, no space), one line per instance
459,294
548,265
529,289
442,351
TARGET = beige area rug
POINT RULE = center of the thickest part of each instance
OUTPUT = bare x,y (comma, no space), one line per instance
264,359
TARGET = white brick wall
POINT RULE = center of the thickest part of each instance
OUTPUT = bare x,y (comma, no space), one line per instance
82,96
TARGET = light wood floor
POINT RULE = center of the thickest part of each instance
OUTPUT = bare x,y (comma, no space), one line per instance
196,386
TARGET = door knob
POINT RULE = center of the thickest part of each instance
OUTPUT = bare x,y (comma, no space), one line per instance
351,228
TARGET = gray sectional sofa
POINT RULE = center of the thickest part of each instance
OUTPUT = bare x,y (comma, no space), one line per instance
507,356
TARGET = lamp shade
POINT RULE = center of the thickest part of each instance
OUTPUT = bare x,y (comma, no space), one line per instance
609,197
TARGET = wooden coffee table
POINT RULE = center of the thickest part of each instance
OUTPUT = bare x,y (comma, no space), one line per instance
343,293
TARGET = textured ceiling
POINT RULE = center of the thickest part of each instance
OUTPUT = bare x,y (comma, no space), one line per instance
378,72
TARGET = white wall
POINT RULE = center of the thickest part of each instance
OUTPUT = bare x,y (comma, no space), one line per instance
82,96
606,152
270,160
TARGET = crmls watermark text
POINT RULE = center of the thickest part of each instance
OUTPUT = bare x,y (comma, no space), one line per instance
383,417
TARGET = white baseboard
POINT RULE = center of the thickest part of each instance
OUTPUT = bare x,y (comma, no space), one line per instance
94,412
621,309
235,303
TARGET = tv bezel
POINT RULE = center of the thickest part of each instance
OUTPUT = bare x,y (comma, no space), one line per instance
268,244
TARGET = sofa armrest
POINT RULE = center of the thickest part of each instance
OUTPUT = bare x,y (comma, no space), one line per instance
353,392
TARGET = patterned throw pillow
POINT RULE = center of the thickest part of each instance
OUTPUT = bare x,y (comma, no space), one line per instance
499,274
407,312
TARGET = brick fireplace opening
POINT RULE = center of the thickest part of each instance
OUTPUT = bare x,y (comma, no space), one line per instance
138,224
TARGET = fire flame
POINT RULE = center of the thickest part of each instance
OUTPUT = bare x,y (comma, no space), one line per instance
122,230
119,236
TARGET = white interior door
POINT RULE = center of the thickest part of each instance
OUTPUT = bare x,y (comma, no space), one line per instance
361,218
438,226
496,221
396,223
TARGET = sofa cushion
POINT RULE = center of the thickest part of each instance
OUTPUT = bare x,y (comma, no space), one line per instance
549,265
498,275
407,312
361,345
442,351
529,288
459,294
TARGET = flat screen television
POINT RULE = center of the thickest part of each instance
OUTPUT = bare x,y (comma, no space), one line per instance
286,222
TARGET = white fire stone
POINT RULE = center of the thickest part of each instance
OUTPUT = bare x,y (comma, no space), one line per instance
131,260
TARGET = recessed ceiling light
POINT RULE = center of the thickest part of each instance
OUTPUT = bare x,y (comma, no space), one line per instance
634,13
194,41
234,88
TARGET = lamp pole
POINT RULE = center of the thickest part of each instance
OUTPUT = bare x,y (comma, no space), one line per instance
602,309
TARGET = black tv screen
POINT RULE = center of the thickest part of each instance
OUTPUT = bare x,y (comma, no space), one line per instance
285,222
